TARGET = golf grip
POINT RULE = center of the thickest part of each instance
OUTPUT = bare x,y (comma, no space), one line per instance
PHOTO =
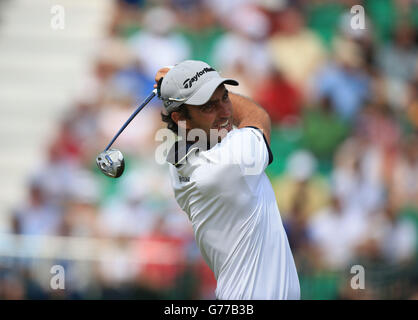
143,104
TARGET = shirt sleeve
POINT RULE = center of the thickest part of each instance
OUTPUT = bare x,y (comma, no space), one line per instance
250,150
270,154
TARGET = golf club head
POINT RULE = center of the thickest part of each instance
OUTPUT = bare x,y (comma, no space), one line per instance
111,163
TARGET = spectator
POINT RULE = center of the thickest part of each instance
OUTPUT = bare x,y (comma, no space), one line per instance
241,53
37,216
399,63
356,179
297,229
279,98
163,258
295,50
336,231
389,237
378,127
405,174
80,219
344,81
157,44
301,172
323,132
323,17
412,104
202,29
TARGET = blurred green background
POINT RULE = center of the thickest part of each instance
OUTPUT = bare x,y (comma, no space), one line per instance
344,109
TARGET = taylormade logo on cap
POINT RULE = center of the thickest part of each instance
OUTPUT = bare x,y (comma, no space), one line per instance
189,82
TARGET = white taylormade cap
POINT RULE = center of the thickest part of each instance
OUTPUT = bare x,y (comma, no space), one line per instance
191,82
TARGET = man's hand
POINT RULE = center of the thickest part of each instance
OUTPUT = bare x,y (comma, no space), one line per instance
160,74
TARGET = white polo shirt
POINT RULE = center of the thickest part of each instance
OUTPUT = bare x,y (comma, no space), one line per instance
232,207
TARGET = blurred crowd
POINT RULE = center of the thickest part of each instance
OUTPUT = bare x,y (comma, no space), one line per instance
344,109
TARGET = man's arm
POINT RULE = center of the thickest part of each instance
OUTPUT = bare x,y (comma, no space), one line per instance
247,113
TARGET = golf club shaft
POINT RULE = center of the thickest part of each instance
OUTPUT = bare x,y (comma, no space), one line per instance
144,103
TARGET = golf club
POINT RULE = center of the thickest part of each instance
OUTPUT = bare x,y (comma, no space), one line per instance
111,161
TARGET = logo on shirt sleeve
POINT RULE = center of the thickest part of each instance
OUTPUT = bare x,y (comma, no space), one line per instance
184,179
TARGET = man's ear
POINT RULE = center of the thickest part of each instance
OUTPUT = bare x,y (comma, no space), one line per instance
175,116
178,118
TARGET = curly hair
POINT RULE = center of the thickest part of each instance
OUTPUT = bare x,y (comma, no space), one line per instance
184,112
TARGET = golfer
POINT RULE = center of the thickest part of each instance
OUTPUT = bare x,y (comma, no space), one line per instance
217,173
